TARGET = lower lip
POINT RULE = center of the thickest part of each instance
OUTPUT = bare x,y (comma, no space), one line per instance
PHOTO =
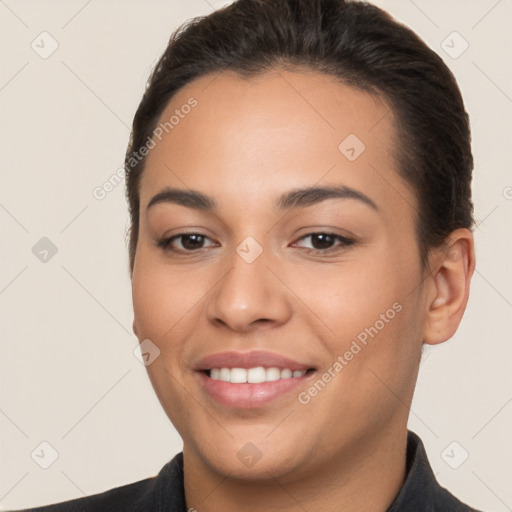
250,396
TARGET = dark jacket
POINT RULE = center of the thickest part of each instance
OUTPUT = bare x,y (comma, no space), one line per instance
165,493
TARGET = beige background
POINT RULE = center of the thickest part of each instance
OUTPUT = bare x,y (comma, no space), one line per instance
68,372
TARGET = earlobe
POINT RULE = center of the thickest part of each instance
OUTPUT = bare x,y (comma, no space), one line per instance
454,264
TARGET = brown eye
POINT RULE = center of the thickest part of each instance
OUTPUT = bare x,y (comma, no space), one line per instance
324,242
190,242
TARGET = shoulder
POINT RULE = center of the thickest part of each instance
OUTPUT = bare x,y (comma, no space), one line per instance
450,503
142,496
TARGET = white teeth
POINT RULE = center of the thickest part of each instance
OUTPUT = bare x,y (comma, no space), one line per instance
253,375
238,375
256,375
225,374
273,374
286,374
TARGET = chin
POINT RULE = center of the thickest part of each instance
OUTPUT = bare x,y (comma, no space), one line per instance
255,460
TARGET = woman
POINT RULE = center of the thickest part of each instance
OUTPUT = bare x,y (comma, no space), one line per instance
298,179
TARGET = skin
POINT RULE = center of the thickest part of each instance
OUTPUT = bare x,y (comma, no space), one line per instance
246,143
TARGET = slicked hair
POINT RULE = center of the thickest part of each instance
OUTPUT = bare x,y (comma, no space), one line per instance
357,44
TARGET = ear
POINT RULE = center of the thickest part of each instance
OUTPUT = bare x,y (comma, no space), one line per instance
453,265
134,327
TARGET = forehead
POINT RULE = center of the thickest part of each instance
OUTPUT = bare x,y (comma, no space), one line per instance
273,132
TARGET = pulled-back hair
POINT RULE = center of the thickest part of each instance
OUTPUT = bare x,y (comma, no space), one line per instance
359,45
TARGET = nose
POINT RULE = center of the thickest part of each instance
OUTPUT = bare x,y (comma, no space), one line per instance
249,296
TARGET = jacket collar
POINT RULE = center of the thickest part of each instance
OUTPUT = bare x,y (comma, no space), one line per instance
420,485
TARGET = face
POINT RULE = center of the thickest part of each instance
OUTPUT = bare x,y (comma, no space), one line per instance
323,284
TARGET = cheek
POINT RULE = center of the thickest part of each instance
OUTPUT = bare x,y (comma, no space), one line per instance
373,319
160,299
374,354
352,297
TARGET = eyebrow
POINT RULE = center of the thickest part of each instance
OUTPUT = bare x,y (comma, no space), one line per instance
295,198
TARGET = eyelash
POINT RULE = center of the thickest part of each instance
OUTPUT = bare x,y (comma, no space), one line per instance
165,243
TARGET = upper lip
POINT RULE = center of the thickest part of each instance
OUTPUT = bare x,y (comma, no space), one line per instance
249,360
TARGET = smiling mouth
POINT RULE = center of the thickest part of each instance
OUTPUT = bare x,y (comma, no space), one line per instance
255,375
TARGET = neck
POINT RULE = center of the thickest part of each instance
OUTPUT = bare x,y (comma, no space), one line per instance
367,478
